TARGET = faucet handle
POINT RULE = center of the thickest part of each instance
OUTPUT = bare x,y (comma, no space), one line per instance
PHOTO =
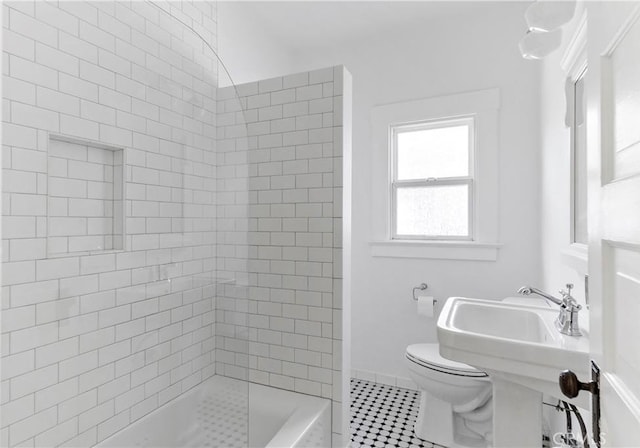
566,292
567,298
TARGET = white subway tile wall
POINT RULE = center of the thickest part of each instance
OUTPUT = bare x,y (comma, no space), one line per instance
279,241
98,337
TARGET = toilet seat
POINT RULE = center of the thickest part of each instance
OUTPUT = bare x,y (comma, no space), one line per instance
428,356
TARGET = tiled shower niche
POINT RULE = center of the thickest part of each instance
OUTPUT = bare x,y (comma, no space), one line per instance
85,197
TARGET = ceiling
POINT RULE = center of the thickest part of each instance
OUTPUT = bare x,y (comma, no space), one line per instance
311,24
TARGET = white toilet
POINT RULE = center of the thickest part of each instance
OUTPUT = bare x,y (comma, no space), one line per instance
455,404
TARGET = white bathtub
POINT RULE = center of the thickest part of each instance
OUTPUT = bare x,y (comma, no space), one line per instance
214,414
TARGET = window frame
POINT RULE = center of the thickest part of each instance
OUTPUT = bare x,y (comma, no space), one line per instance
484,106
581,74
574,63
395,183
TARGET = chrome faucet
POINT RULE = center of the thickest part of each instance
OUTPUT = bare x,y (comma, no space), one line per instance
567,320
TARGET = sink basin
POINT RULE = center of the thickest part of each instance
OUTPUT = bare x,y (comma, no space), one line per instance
515,342
504,322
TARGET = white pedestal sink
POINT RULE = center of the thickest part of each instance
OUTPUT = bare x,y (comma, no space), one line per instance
519,347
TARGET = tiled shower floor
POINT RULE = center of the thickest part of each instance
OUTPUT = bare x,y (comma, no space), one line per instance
383,416
222,416
219,421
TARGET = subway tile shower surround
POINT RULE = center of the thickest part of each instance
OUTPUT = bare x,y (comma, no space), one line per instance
217,250
93,336
280,235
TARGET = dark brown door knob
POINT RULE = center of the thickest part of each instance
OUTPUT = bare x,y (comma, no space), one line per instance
571,386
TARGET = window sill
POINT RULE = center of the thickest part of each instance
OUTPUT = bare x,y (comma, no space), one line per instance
576,256
443,250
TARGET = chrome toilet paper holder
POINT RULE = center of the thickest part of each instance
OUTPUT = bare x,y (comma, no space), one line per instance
420,287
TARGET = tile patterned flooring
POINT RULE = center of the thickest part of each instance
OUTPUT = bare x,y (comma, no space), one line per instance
222,417
383,416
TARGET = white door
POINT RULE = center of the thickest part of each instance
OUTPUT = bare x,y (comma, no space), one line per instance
613,102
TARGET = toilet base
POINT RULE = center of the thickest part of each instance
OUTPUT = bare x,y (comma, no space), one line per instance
437,423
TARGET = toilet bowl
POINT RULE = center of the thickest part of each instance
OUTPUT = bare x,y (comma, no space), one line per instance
455,403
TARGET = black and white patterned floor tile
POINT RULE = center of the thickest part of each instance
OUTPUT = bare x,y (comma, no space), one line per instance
383,416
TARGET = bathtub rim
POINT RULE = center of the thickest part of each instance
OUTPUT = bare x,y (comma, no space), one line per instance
295,427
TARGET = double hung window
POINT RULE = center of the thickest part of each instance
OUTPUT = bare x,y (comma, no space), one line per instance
432,180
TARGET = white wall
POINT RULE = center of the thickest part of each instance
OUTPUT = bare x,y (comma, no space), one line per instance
555,141
246,50
441,57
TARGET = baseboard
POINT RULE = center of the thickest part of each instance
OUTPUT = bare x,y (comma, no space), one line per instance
382,378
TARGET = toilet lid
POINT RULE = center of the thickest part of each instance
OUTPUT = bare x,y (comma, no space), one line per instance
428,355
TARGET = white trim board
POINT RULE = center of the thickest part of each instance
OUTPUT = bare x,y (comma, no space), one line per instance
444,250
381,378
